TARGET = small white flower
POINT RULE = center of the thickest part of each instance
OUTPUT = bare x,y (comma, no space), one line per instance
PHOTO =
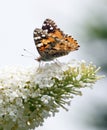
82,83
78,77
45,99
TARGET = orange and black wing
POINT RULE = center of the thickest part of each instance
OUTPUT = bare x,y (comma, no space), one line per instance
51,42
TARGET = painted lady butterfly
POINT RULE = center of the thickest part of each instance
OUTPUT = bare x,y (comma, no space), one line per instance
51,42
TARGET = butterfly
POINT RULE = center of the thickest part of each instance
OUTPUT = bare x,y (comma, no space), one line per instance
51,42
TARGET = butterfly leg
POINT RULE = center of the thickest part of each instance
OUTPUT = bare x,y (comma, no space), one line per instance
57,62
39,69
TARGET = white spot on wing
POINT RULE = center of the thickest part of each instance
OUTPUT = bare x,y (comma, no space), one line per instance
43,35
51,28
37,38
39,45
44,24
35,32
46,30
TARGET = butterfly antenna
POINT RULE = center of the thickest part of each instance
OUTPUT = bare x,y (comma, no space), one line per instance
31,54
26,56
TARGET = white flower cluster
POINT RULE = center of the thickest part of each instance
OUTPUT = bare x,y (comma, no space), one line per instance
29,95
13,82
45,74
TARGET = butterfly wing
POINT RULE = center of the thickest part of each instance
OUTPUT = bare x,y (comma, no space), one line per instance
44,43
63,46
51,42
45,39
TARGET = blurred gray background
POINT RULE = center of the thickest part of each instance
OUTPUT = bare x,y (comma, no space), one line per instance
86,21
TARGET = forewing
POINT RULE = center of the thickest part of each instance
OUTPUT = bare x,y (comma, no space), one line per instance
47,38
43,42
